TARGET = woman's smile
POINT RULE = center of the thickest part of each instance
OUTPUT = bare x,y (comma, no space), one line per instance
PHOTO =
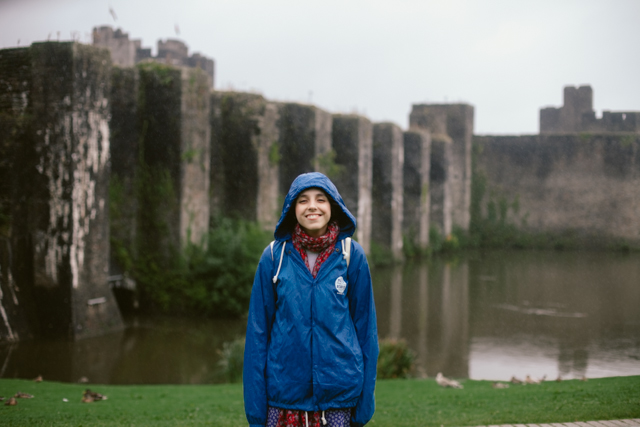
313,211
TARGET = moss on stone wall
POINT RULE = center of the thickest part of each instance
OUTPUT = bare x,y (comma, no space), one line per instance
497,216
15,122
327,163
239,120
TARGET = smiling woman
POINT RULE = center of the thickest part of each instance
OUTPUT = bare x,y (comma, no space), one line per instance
313,212
311,345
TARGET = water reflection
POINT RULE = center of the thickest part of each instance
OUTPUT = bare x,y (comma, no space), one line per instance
483,316
151,350
499,314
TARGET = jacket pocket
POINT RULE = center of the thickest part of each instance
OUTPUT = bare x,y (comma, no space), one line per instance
340,373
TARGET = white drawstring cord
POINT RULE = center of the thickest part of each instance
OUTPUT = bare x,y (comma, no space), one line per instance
306,416
275,278
324,421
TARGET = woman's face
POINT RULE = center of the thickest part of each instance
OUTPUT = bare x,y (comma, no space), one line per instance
313,211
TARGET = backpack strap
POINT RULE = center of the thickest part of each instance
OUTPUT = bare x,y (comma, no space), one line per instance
284,245
346,250
346,254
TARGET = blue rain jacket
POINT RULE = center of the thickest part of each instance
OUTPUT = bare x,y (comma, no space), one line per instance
309,346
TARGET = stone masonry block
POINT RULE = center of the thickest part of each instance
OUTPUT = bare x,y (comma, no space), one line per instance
173,123
352,140
387,187
440,184
195,156
125,168
455,120
15,138
62,232
417,199
305,142
245,157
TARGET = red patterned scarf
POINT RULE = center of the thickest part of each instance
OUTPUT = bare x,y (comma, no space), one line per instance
323,244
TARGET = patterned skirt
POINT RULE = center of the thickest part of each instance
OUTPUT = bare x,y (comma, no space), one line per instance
277,417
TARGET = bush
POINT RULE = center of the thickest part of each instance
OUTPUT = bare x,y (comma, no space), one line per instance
232,360
395,359
213,280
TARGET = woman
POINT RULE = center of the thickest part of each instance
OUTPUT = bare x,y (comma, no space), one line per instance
312,342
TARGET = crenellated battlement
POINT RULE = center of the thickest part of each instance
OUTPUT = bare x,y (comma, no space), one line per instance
127,53
577,115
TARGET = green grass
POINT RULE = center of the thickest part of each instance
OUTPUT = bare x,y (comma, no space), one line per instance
399,403
423,403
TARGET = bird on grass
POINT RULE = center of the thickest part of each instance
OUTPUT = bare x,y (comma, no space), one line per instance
11,402
531,380
38,379
21,395
446,382
515,380
91,396
496,384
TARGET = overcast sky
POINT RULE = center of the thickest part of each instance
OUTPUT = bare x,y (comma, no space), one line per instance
507,58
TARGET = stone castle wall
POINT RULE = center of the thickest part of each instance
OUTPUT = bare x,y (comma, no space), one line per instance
59,226
577,115
352,138
127,53
387,188
166,154
583,185
416,187
456,122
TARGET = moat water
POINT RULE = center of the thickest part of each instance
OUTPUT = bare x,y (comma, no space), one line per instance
490,315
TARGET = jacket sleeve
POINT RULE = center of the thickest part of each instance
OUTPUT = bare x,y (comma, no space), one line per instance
261,315
363,313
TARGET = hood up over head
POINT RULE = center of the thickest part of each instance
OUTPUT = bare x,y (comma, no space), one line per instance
346,221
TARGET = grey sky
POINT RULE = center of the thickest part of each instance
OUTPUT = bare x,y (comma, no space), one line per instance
508,58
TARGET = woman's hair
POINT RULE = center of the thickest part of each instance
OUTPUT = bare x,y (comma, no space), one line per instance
335,208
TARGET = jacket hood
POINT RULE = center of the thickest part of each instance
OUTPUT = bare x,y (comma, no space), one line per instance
346,221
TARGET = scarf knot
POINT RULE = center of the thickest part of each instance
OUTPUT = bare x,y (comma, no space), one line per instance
323,245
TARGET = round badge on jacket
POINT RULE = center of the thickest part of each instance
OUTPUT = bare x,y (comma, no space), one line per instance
341,285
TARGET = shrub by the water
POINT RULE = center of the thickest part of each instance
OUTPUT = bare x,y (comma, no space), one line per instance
208,280
232,360
395,359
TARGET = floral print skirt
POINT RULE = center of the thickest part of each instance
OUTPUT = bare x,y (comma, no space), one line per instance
277,417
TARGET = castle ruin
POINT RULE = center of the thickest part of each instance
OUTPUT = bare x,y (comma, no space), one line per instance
182,153
577,115
127,53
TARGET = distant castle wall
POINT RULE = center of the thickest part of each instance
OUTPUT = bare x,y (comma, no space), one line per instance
127,53
579,178
577,115
584,186
454,121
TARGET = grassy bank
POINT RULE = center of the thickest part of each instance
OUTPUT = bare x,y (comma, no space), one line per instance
399,403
